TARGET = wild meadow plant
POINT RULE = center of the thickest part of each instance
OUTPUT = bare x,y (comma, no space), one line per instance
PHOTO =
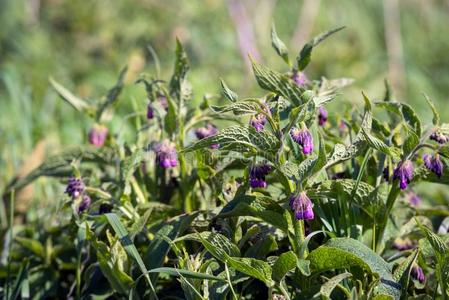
269,197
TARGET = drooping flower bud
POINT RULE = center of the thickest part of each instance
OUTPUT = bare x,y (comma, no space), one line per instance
257,175
85,203
439,137
303,137
302,206
433,164
150,111
97,135
207,131
404,173
166,154
299,78
418,273
75,187
322,116
258,122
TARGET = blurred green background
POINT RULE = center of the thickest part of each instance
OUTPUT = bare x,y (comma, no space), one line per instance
84,44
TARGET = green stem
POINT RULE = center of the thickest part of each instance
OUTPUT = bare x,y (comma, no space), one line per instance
298,226
392,196
11,225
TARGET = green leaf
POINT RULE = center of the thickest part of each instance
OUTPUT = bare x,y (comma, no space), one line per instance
185,273
216,239
171,116
304,56
379,145
32,245
344,253
129,166
327,288
285,263
436,115
231,95
245,107
21,279
402,272
261,207
411,118
438,245
278,83
411,141
180,72
113,94
78,103
240,138
279,45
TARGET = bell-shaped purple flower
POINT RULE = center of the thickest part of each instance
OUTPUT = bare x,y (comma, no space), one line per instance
97,135
85,203
418,274
299,78
434,163
166,154
302,206
75,187
303,137
150,111
322,116
257,175
403,173
258,122
439,137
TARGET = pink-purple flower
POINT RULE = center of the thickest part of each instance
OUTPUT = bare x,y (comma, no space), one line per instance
257,175
258,121
302,206
166,154
418,274
303,137
403,173
84,204
322,116
97,135
207,131
439,137
434,163
299,78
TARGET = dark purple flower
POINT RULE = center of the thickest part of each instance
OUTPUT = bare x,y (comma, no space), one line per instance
150,111
302,206
97,135
403,244
85,203
322,116
434,163
75,187
258,121
404,173
418,274
257,175
303,138
439,137
299,78
166,154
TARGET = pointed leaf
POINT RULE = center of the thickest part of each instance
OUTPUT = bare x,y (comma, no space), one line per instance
231,95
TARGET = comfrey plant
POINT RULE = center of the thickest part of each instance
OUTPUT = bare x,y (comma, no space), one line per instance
266,197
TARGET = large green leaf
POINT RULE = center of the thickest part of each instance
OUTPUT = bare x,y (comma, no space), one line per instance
78,103
286,262
180,71
327,288
249,106
402,272
216,239
279,45
305,55
240,138
345,253
231,95
379,145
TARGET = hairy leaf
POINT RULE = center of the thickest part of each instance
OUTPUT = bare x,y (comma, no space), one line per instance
279,45
231,95
285,263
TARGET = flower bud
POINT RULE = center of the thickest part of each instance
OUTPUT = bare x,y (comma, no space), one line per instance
97,135
85,203
418,273
439,137
150,111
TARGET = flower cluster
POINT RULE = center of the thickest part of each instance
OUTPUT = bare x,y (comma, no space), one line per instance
303,137
76,189
434,163
258,121
403,173
257,175
207,131
439,137
97,135
166,154
302,206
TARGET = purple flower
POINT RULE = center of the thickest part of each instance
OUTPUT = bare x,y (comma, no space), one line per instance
302,206
299,78
303,138
404,173
322,116
97,135
85,203
166,154
150,111
207,131
414,199
439,137
418,274
403,244
75,187
434,163
258,122
257,175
